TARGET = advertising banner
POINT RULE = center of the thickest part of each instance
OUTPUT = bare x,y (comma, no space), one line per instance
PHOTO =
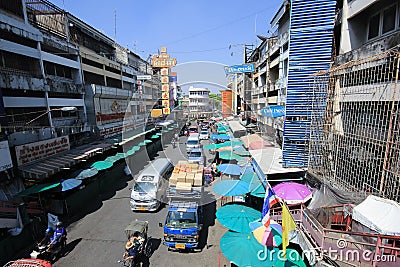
5,156
165,95
156,113
245,68
165,87
165,103
38,150
164,79
166,111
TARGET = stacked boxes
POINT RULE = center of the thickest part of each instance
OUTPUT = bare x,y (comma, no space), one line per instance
185,175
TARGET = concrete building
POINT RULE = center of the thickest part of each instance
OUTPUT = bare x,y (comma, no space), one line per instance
357,145
199,102
226,99
63,83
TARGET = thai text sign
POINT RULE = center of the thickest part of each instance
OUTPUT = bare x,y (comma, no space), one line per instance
5,157
38,150
245,68
157,62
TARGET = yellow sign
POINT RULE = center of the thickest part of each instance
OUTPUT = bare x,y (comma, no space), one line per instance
162,62
166,111
164,71
165,103
164,79
163,49
156,113
165,87
165,95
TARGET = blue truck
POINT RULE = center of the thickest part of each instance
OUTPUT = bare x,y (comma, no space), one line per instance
182,225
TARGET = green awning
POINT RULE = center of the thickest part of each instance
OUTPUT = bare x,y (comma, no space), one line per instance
229,155
135,148
147,141
130,152
120,155
37,188
159,134
112,159
141,144
155,136
102,165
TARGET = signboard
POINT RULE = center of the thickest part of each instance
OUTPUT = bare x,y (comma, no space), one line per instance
164,79
165,87
165,103
165,95
143,77
157,62
273,111
245,68
38,150
156,113
166,111
164,71
5,156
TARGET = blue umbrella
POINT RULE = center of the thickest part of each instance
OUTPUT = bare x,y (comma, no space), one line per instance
242,249
258,191
229,169
252,179
237,217
70,184
247,169
231,188
87,173
220,137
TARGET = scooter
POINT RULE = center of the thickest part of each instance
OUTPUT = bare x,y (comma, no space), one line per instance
43,251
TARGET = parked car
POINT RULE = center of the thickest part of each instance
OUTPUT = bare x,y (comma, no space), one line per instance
196,156
203,135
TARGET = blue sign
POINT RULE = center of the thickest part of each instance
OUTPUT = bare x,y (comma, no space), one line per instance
245,68
273,111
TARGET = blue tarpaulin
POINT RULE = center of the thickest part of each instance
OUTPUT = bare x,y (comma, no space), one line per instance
273,111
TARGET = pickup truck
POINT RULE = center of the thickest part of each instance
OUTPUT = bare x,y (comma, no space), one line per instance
182,225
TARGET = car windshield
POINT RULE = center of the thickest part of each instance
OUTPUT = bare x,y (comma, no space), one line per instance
204,132
192,142
144,187
181,219
194,154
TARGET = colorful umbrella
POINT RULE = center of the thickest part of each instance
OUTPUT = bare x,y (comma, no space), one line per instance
237,217
293,193
231,188
101,165
252,179
242,249
224,148
70,184
229,169
87,173
271,236
258,191
228,155
255,145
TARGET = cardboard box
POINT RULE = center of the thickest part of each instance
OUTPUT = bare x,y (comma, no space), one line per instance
190,178
198,181
183,187
181,177
173,180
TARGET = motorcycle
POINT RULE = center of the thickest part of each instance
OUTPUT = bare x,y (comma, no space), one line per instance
43,251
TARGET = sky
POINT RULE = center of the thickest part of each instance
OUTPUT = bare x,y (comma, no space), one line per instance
192,30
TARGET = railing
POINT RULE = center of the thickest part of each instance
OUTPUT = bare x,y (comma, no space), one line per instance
349,248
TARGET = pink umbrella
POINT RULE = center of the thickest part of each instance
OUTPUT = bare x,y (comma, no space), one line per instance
292,193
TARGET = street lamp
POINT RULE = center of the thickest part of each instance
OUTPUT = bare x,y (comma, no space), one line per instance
45,113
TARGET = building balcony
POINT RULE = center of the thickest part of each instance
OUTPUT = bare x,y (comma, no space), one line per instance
63,85
16,79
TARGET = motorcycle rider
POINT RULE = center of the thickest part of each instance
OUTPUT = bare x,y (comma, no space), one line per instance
47,237
58,237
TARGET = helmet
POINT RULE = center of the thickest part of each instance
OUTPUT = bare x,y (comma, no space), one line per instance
59,224
49,230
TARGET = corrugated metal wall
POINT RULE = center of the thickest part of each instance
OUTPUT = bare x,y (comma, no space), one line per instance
310,50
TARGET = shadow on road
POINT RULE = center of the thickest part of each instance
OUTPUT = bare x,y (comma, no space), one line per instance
71,245
153,245
208,220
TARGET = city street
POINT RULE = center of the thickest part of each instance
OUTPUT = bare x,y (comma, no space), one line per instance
98,239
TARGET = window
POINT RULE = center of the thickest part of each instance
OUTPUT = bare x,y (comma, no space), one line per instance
389,20
373,30
383,22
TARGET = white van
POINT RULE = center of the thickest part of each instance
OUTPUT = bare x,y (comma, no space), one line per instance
192,142
148,188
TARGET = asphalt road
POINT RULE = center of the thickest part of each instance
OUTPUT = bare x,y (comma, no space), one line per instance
97,237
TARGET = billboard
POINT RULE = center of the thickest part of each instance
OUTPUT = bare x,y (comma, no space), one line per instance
156,113
5,156
245,68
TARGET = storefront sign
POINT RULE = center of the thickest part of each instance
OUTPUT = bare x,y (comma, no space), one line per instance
165,103
165,87
166,111
156,113
38,150
164,71
165,95
164,79
157,62
5,157
245,68
143,77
